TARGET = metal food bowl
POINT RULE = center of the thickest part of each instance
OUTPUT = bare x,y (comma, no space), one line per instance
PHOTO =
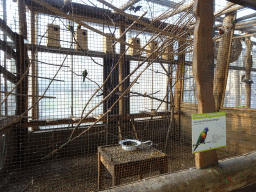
132,144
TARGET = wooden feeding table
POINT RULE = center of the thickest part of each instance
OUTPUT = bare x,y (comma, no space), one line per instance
121,163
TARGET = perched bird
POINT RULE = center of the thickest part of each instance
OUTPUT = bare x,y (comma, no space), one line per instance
201,138
71,28
249,81
85,73
135,9
221,32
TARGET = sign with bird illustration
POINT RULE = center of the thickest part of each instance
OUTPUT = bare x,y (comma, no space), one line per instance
208,131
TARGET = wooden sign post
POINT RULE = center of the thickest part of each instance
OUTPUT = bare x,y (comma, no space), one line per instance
203,69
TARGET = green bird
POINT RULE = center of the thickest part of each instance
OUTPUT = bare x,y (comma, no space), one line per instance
71,28
202,137
85,73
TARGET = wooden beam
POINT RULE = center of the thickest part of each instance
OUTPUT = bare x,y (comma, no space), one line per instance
93,119
22,18
178,95
237,89
46,49
165,3
33,20
203,70
246,17
140,21
148,96
245,22
178,91
248,65
4,27
180,9
251,30
8,75
20,135
121,66
228,9
246,3
5,34
222,64
48,97
128,4
243,36
220,12
227,68
124,70
95,14
244,27
7,49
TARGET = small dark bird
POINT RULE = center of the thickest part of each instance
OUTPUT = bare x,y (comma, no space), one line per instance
249,81
85,73
135,9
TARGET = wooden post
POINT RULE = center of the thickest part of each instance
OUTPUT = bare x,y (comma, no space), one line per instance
237,87
108,61
231,16
248,65
203,69
22,18
222,65
5,80
34,65
168,87
22,89
121,69
178,91
169,49
100,172
178,95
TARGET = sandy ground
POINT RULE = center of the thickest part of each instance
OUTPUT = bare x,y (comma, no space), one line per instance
80,173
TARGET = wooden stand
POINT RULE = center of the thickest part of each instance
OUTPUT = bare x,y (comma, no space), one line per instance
203,70
123,164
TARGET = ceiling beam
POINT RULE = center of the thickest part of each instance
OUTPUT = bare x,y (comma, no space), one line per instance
226,10
180,9
93,14
128,4
229,10
245,3
246,17
251,30
165,3
220,12
246,22
245,26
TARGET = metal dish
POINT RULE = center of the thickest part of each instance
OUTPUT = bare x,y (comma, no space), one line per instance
132,144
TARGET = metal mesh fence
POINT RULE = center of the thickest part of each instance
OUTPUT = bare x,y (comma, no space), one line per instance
99,93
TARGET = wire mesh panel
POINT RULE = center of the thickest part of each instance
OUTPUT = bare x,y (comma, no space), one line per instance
99,93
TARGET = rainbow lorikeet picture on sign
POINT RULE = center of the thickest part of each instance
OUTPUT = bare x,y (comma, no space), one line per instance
201,138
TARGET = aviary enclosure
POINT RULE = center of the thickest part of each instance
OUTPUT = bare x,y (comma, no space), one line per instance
79,76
